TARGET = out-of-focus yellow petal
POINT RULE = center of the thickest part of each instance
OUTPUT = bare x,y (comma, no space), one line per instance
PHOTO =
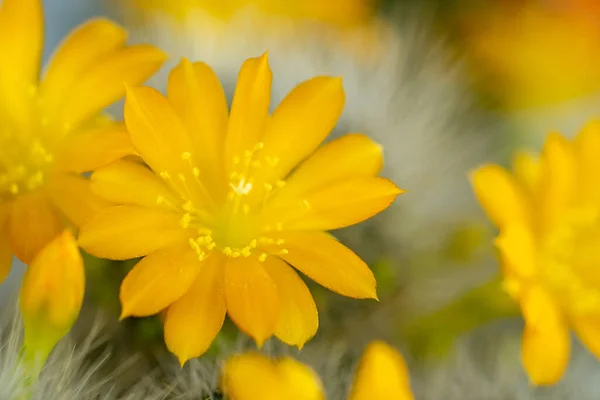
298,317
158,280
517,246
93,149
338,205
252,300
302,121
73,196
196,94
194,320
33,224
557,181
114,183
587,329
252,376
381,374
124,232
329,263
249,109
355,156
21,44
300,381
499,194
104,83
587,144
527,169
5,251
546,343
86,45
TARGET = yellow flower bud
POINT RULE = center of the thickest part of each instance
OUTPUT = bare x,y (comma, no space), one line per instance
51,296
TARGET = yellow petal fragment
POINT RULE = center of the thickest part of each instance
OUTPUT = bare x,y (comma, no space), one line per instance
252,300
329,263
104,83
21,44
128,182
557,180
381,374
73,196
96,148
300,381
252,376
355,155
499,194
33,224
527,170
196,94
158,280
587,146
194,320
298,317
250,108
5,251
587,329
302,121
517,247
124,232
338,205
86,45
546,343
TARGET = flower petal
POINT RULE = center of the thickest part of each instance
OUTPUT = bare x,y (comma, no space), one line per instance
250,108
302,121
252,376
5,251
73,196
587,144
194,320
127,182
517,247
337,206
158,280
546,343
499,194
33,224
298,317
21,43
588,331
86,45
124,232
252,300
328,262
96,148
382,373
355,155
103,84
301,382
526,167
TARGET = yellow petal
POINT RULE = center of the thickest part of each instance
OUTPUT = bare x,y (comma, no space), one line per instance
355,156
298,317
158,280
329,263
5,252
252,300
250,107
302,121
124,232
587,145
381,374
21,44
33,224
127,182
546,343
252,376
194,320
526,167
96,148
86,45
499,194
104,83
338,205
300,381
587,329
196,94
517,246
73,196
557,180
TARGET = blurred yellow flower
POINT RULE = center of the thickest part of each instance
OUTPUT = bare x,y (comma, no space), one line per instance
230,200
51,296
548,214
48,128
381,374
537,53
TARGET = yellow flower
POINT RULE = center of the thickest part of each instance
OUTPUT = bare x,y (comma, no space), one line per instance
548,214
51,296
381,374
49,130
230,200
